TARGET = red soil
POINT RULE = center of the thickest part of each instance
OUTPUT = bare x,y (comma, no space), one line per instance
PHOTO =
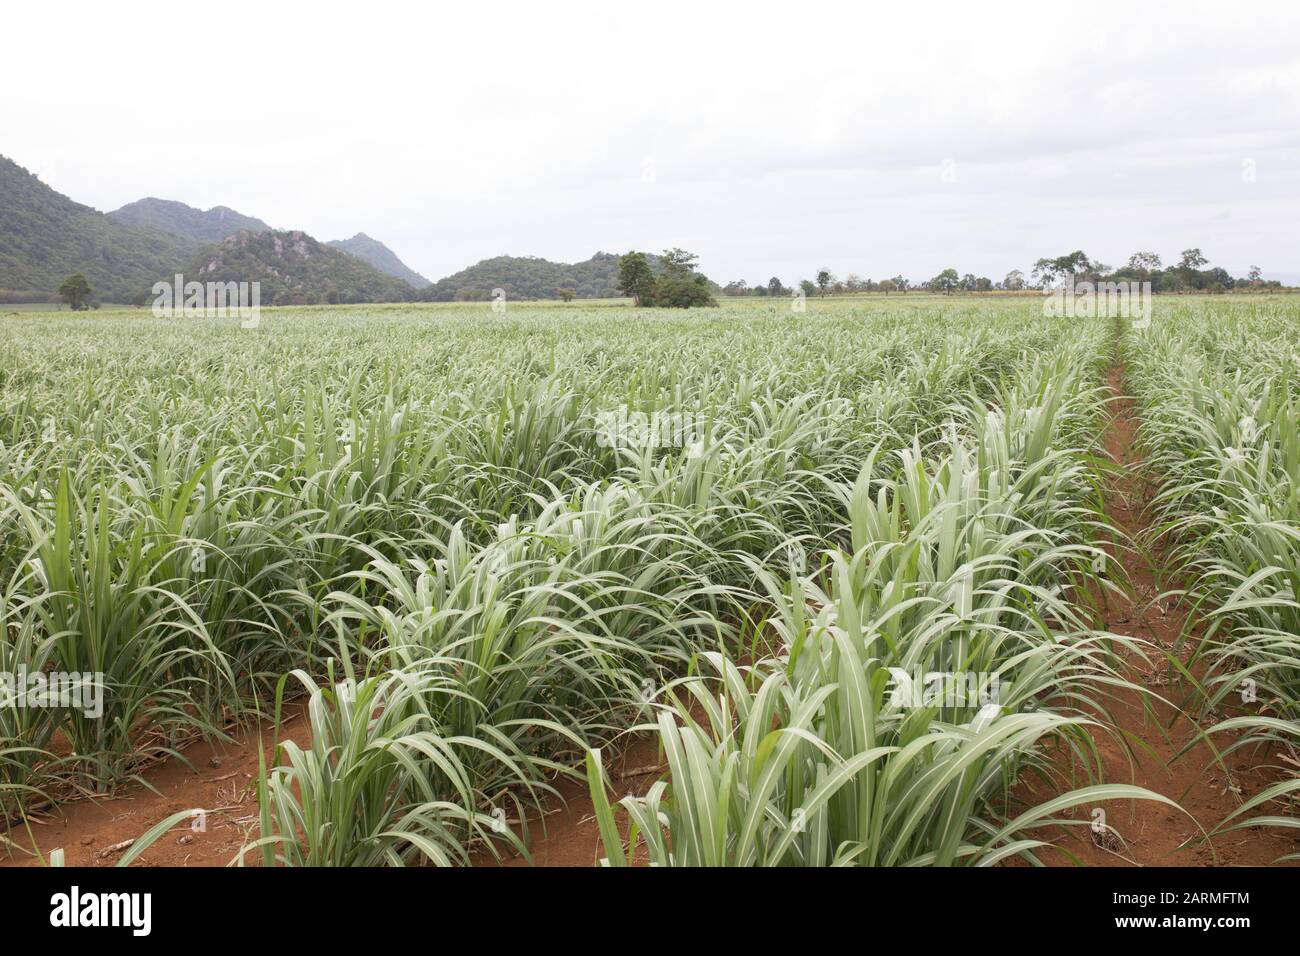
568,834
1153,834
222,781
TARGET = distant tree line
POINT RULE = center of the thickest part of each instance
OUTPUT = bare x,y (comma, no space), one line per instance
1187,275
672,280
826,284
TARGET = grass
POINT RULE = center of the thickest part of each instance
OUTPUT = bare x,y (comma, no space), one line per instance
807,758
410,518
1220,399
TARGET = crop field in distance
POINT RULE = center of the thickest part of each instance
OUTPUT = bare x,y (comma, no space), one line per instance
899,580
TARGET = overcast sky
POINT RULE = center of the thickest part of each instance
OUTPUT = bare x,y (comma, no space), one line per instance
772,139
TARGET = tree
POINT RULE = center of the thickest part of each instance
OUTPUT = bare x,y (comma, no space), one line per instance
888,285
1191,260
76,292
901,284
1144,263
1015,281
1171,280
774,287
824,278
1215,280
1255,275
682,292
1047,271
566,294
969,282
807,287
678,262
635,278
946,282
677,286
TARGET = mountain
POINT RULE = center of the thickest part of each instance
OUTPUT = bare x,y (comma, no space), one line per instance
381,257
45,237
295,269
528,277
178,219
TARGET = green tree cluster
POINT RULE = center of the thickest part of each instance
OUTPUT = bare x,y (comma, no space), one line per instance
75,291
678,285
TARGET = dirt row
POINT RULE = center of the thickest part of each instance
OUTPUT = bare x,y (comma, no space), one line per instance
1155,724
221,778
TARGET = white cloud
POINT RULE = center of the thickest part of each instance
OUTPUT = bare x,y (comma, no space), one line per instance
782,137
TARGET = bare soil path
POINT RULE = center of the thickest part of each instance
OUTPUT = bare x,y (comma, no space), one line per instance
1153,834
566,832
221,781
